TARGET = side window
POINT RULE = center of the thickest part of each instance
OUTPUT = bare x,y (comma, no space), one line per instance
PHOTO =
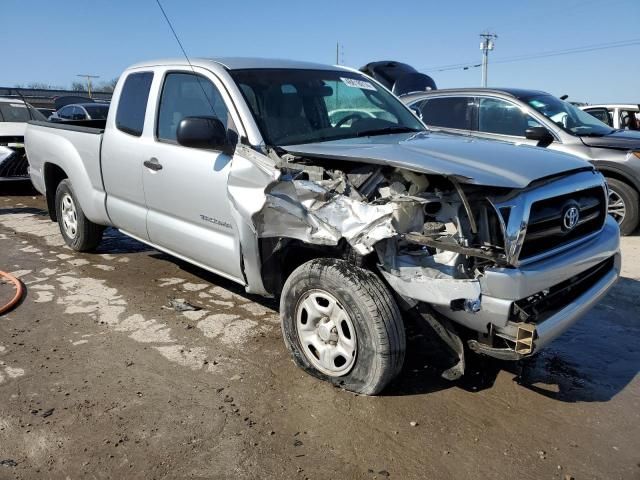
78,114
629,120
448,112
502,117
132,105
65,112
601,114
187,95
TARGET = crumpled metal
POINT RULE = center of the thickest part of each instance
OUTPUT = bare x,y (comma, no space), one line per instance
313,212
426,278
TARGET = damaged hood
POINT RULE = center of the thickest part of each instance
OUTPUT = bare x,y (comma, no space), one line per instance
470,160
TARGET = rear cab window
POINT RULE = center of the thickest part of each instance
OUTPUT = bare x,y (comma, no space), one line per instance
132,105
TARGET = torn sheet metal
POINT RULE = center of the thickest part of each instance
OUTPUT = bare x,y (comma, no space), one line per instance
426,278
251,172
313,212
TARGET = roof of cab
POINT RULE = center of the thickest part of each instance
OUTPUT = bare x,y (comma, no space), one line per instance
239,63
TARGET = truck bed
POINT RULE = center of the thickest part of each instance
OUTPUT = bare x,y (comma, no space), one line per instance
76,150
86,126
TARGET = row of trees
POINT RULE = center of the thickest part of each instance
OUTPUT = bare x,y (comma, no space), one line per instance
75,86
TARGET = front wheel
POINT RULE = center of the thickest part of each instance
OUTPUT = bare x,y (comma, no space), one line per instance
623,205
78,231
342,325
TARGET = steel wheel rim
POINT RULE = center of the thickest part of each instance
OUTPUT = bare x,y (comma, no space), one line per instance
326,333
69,216
617,208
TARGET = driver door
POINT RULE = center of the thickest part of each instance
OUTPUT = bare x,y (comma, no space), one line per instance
185,188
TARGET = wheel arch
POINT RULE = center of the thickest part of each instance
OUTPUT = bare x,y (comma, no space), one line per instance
619,172
280,256
53,175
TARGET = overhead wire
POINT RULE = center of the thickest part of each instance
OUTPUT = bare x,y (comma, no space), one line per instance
533,56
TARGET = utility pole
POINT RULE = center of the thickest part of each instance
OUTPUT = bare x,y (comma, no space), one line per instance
486,45
339,54
88,77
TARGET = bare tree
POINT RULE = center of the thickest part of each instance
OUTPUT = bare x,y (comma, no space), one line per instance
78,87
39,85
107,86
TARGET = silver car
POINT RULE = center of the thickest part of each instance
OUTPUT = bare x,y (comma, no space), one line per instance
537,118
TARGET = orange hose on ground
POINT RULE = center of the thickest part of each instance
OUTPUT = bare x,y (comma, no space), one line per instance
19,292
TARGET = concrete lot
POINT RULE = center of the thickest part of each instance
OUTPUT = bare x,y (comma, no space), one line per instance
98,380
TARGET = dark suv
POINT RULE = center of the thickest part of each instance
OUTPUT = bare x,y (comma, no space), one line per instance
538,118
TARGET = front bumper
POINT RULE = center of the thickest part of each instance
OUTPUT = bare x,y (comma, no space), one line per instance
502,287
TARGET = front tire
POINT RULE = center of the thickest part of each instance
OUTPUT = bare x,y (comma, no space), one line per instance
80,233
342,325
624,205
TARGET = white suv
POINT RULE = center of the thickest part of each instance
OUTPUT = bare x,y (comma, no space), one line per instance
616,115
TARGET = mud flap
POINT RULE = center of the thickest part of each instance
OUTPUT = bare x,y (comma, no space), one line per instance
445,329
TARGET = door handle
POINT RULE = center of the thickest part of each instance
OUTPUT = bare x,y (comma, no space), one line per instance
153,164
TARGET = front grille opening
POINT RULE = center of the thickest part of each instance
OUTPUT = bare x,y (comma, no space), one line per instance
542,305
545,230
15,164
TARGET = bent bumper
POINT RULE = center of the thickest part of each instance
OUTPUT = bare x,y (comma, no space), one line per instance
503,287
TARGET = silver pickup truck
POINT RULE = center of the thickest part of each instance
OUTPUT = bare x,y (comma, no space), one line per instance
316,185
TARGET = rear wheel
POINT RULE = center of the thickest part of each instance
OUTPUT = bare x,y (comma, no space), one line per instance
78,231
623,205
341,324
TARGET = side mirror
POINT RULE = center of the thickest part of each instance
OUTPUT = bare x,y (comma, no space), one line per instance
416,111
540,134
202,132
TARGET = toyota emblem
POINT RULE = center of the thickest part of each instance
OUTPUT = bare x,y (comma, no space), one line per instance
571,217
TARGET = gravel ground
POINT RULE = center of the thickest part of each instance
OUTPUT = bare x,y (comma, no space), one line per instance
98,379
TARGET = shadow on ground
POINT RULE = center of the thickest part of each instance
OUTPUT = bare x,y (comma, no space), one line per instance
18,188
591,362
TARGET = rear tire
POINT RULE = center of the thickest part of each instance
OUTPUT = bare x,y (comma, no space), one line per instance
624,205
353,335
80,233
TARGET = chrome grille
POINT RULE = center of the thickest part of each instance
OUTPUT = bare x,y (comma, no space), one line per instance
550,220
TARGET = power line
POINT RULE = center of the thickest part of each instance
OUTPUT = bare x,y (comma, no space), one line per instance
550,53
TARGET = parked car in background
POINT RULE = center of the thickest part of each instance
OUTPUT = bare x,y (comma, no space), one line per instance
235,166
400,78
618,115
537,118
14,115
81,111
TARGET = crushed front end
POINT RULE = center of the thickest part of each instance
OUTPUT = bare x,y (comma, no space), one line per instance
509,265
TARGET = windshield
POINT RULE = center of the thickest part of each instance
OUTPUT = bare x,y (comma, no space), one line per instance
17,112
568,117
97,112
304,106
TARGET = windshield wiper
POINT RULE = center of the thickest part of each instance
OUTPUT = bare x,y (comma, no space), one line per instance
385,131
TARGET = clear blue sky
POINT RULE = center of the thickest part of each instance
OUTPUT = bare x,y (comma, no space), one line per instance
51,41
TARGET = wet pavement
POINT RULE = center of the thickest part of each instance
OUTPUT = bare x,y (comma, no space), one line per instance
101,376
